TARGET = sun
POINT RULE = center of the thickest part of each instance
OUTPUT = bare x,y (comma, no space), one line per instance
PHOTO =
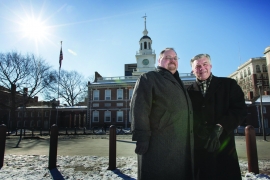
34,29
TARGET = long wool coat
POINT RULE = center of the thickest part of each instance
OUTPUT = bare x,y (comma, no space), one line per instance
162,114
223,104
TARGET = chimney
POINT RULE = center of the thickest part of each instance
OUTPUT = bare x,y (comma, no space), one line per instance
97,75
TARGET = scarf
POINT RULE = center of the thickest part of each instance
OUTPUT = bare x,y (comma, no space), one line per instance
204,85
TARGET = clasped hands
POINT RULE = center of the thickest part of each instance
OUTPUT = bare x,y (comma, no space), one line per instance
212,137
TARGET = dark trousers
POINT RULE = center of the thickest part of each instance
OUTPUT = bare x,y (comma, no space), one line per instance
205,165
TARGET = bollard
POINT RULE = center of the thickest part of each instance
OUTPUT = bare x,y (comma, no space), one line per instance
53,147
66,131
112,148
3,130
24,131
75,131
251,149
84,130
16,132
41,131
32,132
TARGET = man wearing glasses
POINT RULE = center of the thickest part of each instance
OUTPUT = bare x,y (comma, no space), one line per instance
162,124
218,108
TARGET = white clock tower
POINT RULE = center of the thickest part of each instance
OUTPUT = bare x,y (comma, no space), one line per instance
145,57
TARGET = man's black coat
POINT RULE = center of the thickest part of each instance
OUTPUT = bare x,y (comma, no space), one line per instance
223,104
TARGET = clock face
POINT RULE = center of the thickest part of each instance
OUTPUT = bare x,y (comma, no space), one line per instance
145,62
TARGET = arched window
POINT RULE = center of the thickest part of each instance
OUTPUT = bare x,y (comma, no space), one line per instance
145,45
241,75
245,73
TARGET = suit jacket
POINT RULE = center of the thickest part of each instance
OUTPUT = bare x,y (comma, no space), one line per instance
162,114
223,104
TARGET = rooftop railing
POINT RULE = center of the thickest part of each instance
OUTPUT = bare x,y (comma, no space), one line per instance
147,51
182,75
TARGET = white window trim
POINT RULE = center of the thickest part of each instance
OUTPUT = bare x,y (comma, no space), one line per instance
95,92
95,113
118,115
108,94
130,92
109,112
120,96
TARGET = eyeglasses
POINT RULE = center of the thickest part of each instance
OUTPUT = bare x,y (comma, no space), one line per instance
171,58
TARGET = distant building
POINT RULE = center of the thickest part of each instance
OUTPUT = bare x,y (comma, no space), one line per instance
5,104
109,97
250,74
129,68
44,116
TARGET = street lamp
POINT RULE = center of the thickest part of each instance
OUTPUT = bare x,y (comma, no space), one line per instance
262,120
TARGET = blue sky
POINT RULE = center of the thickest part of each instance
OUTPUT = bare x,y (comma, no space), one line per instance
104,35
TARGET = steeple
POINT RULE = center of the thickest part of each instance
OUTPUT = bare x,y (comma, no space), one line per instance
145,32
145,57
145,41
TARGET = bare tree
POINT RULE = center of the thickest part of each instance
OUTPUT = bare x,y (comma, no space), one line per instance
72,87
18,72
91,78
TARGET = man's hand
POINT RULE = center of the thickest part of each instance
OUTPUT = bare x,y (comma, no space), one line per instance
202,132
141,147
213,143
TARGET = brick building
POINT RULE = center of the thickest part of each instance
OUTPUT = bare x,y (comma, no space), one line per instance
109,97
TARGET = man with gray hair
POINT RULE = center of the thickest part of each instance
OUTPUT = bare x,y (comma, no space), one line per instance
218,108
161,114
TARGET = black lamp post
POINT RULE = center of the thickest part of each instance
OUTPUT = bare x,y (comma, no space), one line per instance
25,90
262,119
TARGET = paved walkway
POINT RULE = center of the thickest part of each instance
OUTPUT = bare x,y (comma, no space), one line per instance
98,145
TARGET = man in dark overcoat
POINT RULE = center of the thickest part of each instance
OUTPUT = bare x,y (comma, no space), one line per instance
162,123
218,108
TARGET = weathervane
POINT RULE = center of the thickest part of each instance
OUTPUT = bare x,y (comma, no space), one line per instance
144,20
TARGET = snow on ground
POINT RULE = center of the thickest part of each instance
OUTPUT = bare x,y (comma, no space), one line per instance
34,167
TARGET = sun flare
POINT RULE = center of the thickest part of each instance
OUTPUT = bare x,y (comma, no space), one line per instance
34,28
